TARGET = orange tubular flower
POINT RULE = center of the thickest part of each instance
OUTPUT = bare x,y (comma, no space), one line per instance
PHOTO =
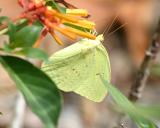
71,23
78,12
58,40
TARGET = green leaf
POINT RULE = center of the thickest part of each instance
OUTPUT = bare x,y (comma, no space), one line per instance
54,5
149,110
142,122
126,106
11,31
119,98
27,36
40,92
19,25
6,47
34,53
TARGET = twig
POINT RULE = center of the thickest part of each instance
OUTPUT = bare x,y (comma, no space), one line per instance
142,75
144,71
68,5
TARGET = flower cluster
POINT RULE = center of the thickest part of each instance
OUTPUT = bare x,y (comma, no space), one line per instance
70,22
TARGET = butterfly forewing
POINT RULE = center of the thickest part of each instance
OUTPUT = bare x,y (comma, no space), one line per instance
78,68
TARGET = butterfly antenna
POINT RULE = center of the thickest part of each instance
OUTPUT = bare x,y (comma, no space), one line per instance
117,29
107,29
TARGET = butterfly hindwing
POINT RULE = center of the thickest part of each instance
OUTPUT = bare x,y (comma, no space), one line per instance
78,68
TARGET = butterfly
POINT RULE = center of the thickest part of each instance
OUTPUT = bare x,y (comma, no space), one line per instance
78,68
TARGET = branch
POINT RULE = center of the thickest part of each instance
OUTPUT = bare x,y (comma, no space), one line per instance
144,71
68,5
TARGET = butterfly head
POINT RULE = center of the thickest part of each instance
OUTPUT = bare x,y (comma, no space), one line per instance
100,38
